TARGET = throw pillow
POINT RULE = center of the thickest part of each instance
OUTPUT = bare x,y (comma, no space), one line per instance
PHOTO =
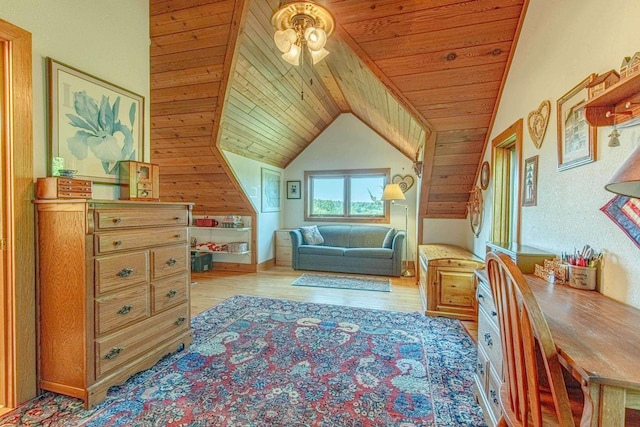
388,239
311,235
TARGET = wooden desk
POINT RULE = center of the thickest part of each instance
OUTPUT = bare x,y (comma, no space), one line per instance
598,339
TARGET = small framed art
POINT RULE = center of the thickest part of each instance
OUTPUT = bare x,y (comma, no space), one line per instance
270,190
293,190
530,182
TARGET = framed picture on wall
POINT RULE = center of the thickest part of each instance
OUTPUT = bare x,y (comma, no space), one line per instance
93,124
270,190
576,138
293,190
530,182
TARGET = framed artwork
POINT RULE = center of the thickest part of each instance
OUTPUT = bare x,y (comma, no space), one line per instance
530,182
270,190
293,190
485,175
576,138
93,124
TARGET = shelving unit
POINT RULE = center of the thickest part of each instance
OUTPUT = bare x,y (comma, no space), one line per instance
223,235
615,100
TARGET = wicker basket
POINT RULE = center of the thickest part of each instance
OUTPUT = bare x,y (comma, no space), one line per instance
237,247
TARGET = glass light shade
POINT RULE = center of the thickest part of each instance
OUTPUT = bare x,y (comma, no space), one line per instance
284,39
293,56
626,181
392,192
613,138
318,55
316,38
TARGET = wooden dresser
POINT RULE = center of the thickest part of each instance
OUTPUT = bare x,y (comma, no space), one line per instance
283,247
447,283
488,376
113,291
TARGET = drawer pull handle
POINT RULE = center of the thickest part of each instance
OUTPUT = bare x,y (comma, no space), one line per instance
113,353
488,339
177,236
125,272
494,396
172,293
172,262
180,320
480,296
176,218
125,309
480,369
493,313
116,220
117,243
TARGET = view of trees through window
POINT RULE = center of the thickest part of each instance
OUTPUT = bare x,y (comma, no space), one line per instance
346,194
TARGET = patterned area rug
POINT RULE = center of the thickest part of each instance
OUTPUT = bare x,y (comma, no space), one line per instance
269,362
343,282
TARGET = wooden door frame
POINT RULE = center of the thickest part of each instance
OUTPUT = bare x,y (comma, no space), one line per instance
18,217
510,137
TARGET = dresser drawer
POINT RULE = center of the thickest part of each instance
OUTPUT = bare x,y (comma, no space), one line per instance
283,238
116,272
493,393
121,309
485,300
125,240
489,340
482,370
119,348
169,292
107,219
283,256
170,260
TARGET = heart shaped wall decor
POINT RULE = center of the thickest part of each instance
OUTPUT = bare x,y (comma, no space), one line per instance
405,182
537,122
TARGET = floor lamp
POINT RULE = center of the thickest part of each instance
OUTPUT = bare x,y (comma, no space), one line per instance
393,192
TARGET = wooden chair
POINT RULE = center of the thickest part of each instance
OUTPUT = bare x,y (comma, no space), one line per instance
525,334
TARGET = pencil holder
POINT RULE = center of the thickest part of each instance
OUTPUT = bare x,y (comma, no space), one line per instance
582,277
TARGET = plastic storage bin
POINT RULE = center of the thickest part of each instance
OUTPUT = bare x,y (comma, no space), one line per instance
201,261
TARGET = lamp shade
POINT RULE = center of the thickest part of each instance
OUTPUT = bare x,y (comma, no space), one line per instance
392,192
284,39
626,181
293,56
316,38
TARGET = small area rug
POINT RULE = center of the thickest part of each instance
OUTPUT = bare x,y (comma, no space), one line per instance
270,362
343,282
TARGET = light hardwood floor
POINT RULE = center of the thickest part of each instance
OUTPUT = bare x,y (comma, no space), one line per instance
211,288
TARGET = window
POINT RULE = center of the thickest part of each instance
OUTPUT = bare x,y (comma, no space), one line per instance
507,148
346,195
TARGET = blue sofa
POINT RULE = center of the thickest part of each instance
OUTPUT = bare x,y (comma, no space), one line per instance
349,249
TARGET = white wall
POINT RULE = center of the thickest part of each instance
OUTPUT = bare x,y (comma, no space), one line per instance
109,40
449,231
350,144
561,43
249,174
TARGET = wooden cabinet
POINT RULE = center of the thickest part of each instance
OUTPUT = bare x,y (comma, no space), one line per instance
283,247
487,378
113,291
447,283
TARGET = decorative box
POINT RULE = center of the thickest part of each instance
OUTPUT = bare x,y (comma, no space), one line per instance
139,181
237,247
560,270
544,273
63,188
205,222
201,261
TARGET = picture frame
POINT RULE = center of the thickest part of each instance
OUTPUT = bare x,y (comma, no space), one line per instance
294,190
530,182
485,175
270,184
84,108
576,138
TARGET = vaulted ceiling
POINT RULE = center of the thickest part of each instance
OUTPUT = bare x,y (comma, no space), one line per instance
424,74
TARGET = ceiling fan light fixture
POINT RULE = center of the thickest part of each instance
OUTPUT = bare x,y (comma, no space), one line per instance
300,24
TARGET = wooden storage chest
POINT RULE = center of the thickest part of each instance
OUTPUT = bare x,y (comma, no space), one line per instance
447,283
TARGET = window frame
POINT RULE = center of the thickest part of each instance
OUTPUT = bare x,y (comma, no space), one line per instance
346,174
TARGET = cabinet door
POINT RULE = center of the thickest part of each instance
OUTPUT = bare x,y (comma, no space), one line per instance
455,291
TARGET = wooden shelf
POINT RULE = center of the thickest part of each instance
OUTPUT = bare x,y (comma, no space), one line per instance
221,252
613,100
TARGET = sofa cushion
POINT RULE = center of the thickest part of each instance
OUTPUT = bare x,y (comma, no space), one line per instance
388,239
335,235
367,236
320,250
381,253
311,235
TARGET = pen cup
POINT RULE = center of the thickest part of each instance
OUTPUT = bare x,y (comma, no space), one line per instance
582,277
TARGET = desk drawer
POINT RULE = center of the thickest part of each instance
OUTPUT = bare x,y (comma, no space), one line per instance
485,300
169,260
117,349
121,309
116,272
493,393
107,219
489,340
125,240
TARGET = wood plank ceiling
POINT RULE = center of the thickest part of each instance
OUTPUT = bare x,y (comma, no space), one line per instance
425,75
